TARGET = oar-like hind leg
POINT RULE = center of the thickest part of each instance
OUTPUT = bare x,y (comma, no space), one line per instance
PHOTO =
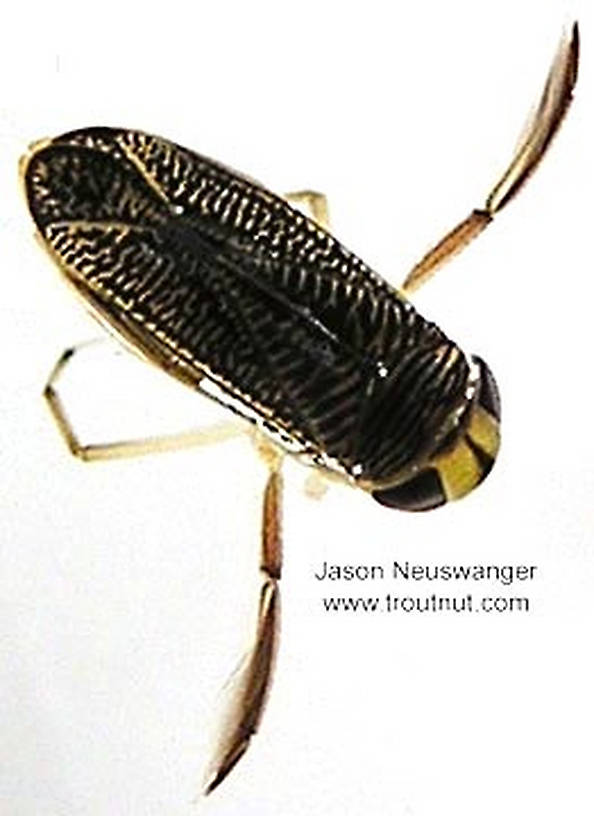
532,146
251,683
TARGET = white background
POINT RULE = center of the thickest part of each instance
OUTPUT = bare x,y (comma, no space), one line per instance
128,589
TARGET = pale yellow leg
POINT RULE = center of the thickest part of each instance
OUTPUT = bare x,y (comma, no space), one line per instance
315,203
555,100
252,682
316,486
125,448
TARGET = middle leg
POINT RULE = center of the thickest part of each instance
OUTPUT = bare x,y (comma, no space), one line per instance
316,203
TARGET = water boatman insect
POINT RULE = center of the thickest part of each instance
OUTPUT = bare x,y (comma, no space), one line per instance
238,294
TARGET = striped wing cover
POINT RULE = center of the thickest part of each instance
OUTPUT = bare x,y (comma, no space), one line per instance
209,273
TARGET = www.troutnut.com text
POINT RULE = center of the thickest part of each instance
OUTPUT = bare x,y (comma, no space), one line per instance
456,577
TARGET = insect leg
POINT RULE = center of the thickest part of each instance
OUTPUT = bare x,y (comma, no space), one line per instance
542,126
252,681
124,448
316,203
316,486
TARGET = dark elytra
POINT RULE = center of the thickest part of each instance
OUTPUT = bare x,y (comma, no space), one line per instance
214,274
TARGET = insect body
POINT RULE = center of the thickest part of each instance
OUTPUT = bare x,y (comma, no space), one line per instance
234,292
210,275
